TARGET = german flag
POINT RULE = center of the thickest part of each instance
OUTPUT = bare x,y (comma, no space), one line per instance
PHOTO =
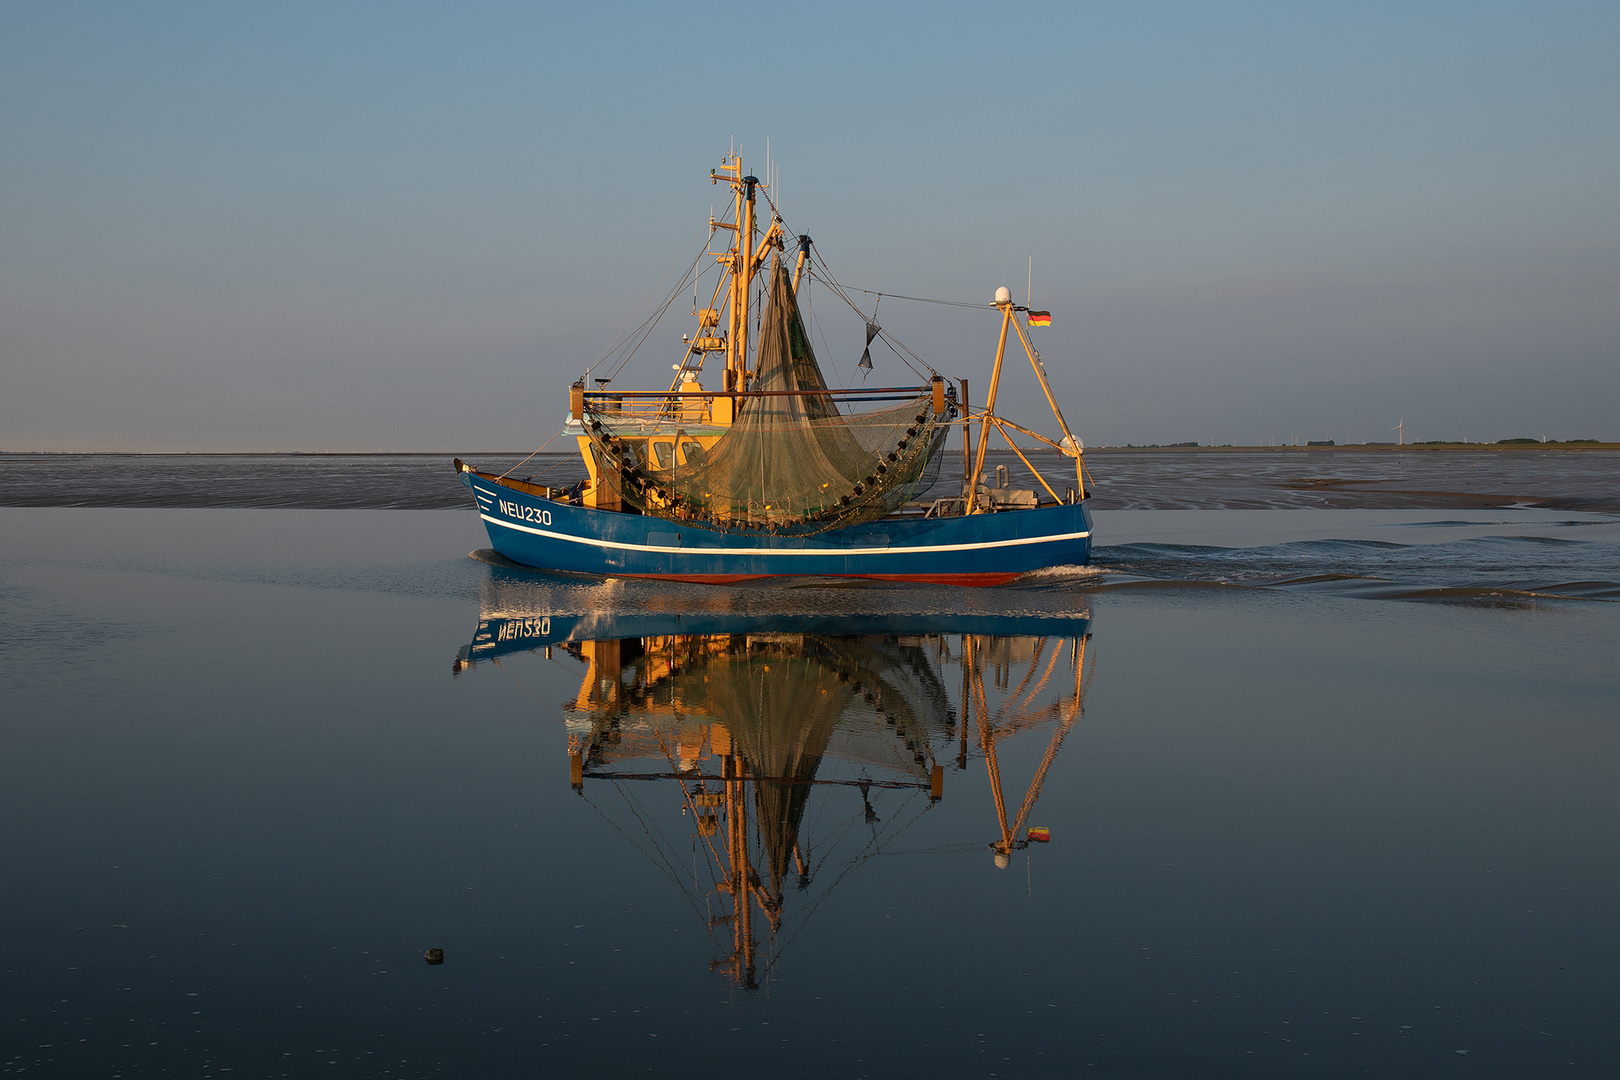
1040,318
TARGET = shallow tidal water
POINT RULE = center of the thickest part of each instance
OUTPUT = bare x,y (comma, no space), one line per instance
1326,796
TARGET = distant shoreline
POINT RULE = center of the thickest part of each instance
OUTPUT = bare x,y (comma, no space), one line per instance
1354,448
1367,448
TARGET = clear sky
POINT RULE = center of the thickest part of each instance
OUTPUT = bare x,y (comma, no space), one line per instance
409,226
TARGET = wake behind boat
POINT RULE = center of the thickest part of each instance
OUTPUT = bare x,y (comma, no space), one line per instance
775,473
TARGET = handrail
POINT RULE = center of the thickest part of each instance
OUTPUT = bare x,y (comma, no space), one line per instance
909,391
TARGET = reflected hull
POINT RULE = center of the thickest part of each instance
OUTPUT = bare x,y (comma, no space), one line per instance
515,632
984,549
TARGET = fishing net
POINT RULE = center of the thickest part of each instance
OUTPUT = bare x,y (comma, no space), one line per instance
790,459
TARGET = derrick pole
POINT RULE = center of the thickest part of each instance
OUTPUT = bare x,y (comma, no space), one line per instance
1076,710
987,743
967,439
967,650
798,268
1040,373
989,407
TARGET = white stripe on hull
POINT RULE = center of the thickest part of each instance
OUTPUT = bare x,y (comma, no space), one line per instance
837,552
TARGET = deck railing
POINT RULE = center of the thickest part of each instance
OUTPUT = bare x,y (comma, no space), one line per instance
697,406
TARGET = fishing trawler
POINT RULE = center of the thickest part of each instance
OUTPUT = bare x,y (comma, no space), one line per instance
775,473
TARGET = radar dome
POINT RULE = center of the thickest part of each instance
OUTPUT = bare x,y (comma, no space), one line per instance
1004,295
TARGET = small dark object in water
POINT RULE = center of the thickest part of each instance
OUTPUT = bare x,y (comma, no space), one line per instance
434,956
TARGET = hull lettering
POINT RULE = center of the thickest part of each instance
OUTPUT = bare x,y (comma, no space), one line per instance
525,513
517,629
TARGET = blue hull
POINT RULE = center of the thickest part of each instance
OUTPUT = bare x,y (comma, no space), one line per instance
984,549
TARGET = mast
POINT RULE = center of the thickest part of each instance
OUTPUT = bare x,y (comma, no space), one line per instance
738,884
740,262
743,260
742,278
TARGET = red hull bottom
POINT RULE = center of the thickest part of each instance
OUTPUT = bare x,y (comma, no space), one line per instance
918,579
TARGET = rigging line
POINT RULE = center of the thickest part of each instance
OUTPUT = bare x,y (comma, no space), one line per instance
651,827
679,288
663,747
892,341
647,325
835,837
632,840
545,471
543,445
635,810
1023,706
825,344
917,299
650,324
927,806
838,290
883,337
1007,702
563,647
650,293
809,912
686,796
638,329
960,848
832,284
860,859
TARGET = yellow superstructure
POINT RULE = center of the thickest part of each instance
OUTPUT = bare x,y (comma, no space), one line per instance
688,417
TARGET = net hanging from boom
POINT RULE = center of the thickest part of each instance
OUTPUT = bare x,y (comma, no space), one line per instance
790,460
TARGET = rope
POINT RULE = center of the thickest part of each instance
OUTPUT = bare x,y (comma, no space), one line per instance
652,320
888,339
868,851
646,326
543,445
918,299
679,884
692,275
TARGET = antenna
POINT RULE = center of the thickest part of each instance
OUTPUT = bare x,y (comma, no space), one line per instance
1029,284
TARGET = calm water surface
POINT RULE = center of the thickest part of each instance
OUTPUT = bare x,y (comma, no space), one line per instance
1586,480
256,762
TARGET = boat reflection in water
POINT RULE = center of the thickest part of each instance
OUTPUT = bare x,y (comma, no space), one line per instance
734,721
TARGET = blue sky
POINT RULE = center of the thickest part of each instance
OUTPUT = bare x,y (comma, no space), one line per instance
384,226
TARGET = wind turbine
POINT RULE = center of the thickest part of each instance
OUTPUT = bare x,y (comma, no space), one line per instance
1400,427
